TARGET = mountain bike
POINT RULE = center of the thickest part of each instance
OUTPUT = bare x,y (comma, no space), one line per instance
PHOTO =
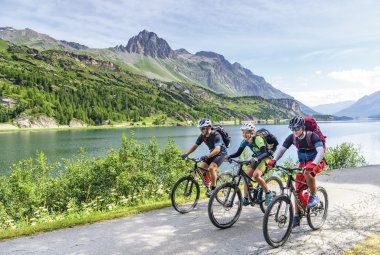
186,191
278,218
225,204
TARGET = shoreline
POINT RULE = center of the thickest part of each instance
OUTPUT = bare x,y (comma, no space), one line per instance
11,128
6,127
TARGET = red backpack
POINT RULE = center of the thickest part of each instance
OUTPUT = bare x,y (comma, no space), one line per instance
310,127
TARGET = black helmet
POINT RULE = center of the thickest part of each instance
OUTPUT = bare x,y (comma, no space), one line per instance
296,122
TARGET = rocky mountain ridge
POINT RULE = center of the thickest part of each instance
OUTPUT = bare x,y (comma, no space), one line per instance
365,107
54,87
152,56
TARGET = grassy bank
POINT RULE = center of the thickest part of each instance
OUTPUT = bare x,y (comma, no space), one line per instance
81,219
370,246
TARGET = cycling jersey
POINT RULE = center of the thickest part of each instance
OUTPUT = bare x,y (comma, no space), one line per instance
215,139
258,147
304,152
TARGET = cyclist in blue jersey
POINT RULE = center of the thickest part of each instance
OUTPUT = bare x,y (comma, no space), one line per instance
217,151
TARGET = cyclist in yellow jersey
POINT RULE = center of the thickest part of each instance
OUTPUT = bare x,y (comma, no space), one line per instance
259,160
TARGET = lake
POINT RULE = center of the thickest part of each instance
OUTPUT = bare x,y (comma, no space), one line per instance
60,144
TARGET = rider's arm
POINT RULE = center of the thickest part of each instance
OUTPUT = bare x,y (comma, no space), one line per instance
218,143
193,148
214,152
237,153
263,153
260,143
242,146
318,147
280,151
318,158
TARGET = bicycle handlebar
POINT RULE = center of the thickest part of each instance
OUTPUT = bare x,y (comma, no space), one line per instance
240,162
288,169
196,160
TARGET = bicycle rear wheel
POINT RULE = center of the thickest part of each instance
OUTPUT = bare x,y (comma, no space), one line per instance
185,194
275,185
224,208
277,223
316,216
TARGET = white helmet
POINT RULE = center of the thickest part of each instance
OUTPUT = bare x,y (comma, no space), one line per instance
248,127
204,123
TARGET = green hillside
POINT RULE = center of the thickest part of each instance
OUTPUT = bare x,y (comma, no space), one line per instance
66,85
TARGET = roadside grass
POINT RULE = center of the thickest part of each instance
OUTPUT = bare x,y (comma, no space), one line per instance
369,246
77,219
81,219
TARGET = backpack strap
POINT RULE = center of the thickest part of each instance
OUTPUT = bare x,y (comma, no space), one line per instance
204,139
308,139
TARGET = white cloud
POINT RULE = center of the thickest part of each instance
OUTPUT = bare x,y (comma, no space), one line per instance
318,72
369,79
326,96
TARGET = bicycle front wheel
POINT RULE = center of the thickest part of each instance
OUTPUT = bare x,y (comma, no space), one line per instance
185,194
278,219
223,178
316,216
224,206
275,185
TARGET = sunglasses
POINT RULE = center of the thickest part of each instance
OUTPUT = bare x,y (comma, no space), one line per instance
203,128
295,128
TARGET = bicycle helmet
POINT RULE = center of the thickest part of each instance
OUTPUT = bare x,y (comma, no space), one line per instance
204,123
248,127
296,122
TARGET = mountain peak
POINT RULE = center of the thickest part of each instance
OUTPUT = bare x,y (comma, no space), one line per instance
181,51
74,45
210,54
6,29
149,44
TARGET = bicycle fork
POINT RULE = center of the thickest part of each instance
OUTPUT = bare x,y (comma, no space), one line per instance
188,191
229,202
281,218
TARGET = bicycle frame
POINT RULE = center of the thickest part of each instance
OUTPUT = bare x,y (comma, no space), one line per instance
197,170
292,190
246,179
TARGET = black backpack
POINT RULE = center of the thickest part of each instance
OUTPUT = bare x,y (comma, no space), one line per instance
223,133
269,138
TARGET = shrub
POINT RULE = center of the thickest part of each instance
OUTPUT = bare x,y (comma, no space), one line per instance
345,155
135,173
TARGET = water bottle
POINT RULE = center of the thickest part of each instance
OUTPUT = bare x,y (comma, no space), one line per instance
207,179
305,198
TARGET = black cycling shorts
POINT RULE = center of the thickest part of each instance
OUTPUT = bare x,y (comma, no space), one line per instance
218,159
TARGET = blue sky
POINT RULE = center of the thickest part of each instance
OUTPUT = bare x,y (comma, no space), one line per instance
317,51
